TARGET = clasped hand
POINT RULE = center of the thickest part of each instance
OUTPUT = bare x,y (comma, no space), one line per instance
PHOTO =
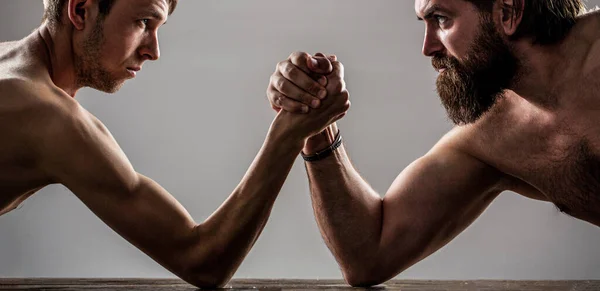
309,93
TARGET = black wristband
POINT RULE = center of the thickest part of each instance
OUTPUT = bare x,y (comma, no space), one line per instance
326,152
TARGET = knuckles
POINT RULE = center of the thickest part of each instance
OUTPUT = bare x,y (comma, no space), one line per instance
279,83
276,100
297,57
342,102
336,85
287,69
344,95
339,66
278,66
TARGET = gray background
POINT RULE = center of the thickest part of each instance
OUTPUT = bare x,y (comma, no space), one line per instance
194,120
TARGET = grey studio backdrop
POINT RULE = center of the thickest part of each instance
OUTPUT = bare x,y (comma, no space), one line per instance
194,120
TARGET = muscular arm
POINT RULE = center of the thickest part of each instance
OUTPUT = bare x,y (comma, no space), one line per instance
429,203
80,153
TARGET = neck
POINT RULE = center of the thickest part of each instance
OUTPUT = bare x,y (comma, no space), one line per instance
59,58
543,69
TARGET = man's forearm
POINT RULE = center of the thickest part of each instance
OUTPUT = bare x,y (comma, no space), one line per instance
227,236
347,209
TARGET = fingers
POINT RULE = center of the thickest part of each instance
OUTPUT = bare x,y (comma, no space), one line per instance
303,81
335,80
342,102
337,69
290,90
334,105
331,58
311,65
319,65
299,84
280,101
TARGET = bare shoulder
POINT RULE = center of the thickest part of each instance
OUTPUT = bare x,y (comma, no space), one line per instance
587,29
77,149
71,145
30,108
27,108
590,17
482,142
474,141
584,41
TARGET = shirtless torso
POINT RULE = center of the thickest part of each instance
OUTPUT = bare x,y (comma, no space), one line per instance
549,154
550,151
46,137
541,140
26,94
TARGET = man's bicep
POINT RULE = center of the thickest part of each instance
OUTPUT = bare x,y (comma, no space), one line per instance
86,159
431,202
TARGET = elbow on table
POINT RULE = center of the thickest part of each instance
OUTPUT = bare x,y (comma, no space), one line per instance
362,278
370,274
207,280
205,264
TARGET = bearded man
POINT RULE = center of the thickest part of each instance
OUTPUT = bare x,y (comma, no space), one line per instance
521,81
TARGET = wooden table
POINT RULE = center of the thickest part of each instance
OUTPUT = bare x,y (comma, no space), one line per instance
271,284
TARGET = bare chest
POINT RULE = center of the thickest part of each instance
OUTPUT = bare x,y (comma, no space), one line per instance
558,157
567,176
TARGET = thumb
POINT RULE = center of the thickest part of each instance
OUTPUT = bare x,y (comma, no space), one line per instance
319,64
